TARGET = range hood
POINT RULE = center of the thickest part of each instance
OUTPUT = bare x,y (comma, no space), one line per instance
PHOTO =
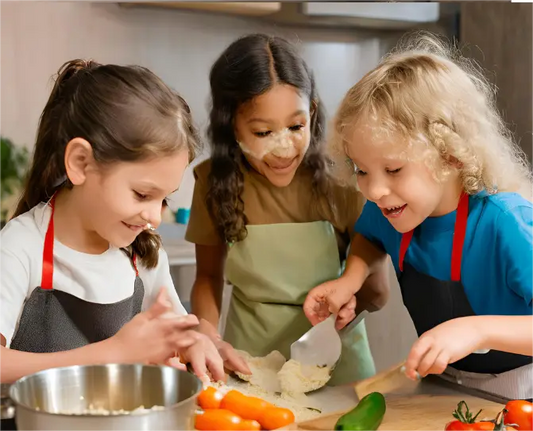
369,15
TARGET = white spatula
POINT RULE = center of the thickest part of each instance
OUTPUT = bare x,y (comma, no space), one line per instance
321,345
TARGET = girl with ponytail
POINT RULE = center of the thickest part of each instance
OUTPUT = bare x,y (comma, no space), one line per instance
112,144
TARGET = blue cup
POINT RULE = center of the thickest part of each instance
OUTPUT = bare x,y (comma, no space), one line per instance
182,215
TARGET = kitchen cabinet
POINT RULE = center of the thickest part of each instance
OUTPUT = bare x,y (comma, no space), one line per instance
498,36
362,15
237,8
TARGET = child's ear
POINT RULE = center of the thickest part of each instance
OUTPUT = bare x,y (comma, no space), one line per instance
78,160
453,162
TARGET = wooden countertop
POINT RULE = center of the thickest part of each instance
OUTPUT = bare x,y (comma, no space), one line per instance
425,405
416,412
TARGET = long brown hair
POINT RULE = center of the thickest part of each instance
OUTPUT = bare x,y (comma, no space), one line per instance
126,113
249,67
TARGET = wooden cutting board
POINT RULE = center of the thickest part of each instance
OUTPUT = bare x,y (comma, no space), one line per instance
416,412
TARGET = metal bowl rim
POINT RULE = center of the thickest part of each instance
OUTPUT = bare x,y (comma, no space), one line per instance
19,404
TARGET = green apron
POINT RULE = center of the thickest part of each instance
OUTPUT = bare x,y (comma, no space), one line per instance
271,271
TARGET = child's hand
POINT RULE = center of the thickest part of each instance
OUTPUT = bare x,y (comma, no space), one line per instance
233,361
444,344
205,359
331,297
148,338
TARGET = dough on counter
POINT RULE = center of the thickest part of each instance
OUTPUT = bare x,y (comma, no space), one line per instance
264,370
273,373
296,378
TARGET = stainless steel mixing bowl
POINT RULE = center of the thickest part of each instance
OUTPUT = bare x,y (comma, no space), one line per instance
59,398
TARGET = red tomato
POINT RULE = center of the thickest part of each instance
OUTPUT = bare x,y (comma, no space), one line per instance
519,414
465,421
458,425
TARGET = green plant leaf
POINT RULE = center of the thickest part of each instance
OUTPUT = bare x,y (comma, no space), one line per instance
13,164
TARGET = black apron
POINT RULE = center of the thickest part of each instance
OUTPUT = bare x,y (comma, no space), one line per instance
431,302
54,321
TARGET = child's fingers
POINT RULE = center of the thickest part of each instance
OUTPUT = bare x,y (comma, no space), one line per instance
418,351
197,360
311,307
179,340
215,364
346,314
160,306
181,323
176,363
427,362
337,299
239,364
232,360
440,363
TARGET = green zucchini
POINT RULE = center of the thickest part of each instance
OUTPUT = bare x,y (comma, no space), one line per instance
367,415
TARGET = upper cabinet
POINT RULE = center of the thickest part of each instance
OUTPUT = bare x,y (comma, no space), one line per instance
234,8
371,15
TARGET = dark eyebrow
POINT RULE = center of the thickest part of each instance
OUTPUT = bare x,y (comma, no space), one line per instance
153,188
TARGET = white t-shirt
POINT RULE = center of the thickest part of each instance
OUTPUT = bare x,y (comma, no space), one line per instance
104,279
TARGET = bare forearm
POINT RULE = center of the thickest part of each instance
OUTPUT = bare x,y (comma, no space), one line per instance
376,289
513,334
206,299
364,260
16,364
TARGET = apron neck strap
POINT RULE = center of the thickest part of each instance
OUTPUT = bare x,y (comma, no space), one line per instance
404,245
47,277
461,218
459,236
134,262
48,251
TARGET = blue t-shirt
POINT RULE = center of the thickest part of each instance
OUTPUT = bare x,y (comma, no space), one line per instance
497,263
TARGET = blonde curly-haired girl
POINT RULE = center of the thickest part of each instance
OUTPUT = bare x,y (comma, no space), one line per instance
449,199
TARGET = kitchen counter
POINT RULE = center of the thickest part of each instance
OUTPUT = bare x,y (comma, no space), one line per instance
334,399
425,405
180,252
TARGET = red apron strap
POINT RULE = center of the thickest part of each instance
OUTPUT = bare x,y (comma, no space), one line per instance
458,239
134,261
404,245
47,278
459,236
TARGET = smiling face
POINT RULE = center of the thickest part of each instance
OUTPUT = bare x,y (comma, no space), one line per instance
273,131
393,175
121,199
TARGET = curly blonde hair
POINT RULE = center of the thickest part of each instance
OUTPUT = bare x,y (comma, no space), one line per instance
426,92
